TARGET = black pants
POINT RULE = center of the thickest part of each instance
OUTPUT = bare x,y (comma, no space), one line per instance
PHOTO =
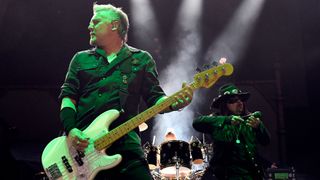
131,167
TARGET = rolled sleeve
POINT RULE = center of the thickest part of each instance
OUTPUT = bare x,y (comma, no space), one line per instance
70,87
152,91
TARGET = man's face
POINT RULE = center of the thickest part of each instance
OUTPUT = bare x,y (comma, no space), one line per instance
235,105
100,28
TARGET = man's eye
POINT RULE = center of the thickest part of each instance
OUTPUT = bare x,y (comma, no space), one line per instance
95,22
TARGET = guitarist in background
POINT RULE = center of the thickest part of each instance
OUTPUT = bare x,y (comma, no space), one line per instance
112,75
236,133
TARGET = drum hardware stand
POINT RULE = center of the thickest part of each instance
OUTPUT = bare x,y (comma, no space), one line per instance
146,148
177,160
153,140
205,149
146,145
177,170
198,139
191,139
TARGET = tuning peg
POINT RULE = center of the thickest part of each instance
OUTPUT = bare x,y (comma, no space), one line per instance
198,70
214,63
206,66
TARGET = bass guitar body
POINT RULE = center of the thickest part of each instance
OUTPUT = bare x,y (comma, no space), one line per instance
61,161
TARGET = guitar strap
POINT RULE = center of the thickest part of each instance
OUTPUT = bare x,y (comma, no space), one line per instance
125,69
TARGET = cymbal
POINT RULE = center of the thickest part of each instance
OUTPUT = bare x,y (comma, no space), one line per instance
143,127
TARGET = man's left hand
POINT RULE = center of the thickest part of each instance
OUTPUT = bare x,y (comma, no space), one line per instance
253,122
184,98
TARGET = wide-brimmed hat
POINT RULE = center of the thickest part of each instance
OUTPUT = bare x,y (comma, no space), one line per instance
226,91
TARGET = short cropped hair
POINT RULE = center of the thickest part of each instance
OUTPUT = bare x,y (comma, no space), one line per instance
116,15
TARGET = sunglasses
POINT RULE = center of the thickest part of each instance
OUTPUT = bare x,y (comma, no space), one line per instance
234,99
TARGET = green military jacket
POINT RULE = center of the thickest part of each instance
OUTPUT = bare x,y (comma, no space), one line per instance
98,86
235,147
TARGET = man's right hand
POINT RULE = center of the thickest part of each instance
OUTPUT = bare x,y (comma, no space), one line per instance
78,139
235,120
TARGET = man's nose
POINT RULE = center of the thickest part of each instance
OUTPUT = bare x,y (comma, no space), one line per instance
239,101
90,27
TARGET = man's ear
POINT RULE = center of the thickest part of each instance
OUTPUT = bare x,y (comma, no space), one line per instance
114,25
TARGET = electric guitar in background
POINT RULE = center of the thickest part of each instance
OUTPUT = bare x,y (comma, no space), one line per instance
61,161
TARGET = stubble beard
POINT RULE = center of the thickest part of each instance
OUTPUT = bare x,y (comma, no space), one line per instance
92,42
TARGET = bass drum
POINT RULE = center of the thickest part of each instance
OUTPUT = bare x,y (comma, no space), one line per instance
175,156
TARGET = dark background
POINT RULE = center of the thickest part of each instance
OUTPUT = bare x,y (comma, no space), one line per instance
38,39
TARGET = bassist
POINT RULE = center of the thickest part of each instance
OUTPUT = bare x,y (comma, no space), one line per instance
112,75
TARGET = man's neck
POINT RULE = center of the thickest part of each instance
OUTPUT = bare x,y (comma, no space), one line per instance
113,48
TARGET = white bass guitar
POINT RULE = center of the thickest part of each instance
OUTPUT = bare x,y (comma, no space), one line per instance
61,161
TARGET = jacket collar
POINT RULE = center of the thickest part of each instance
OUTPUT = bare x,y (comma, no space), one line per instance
124,53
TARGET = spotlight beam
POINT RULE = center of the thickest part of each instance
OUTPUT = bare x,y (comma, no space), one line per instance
235,38
186,40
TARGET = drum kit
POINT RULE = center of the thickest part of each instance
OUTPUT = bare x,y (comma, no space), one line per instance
177,159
